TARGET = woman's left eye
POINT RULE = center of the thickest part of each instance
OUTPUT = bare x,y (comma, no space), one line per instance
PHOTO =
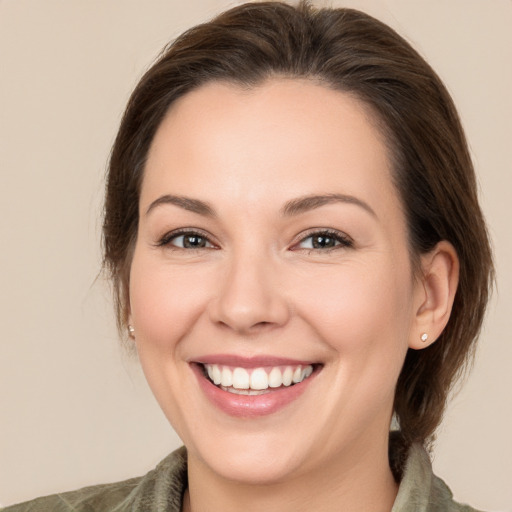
324,240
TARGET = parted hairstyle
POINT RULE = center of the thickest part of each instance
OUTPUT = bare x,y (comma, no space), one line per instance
348,51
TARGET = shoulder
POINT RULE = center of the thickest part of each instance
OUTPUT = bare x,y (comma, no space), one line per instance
442,499
96,497
160,489
421,491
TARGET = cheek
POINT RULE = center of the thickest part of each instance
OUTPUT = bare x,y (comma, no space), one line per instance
358,308
165,301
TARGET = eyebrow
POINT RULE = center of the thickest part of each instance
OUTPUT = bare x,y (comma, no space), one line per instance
291,208
187,203
310,202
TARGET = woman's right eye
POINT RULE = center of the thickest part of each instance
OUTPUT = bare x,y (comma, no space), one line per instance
186,240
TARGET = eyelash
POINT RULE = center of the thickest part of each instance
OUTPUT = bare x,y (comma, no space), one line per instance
342,240
173,235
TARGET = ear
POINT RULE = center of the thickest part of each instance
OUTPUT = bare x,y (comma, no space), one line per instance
435,294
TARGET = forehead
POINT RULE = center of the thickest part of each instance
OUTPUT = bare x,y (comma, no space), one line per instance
284,136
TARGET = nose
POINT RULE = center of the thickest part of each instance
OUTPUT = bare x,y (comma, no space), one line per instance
251,296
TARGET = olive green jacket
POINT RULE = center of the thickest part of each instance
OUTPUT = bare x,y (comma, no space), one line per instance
161,490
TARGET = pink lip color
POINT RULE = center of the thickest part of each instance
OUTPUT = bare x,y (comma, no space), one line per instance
250,406
249,362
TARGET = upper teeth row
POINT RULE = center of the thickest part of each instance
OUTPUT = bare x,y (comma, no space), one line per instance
258,378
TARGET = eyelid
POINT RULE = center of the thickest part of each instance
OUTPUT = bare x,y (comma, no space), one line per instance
345,240
165,240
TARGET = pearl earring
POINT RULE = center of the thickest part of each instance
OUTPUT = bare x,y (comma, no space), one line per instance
424,337
131,331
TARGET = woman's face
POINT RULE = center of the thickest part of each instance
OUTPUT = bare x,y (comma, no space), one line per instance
272,243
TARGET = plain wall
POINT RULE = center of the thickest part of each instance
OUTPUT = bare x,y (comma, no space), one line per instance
74,409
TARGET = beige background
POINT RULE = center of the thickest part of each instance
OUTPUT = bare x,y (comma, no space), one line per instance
74,410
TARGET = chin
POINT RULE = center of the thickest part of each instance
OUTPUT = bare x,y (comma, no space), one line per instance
250,457
255,467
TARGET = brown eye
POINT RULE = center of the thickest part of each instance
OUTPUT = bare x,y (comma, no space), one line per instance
189,240
324,240
321,241
193,241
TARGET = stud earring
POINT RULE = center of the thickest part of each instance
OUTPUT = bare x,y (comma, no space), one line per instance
131,331
424,337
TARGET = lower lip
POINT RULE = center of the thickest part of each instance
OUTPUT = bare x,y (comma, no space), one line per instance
250,406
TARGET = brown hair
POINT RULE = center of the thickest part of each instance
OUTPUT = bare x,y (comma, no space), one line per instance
348,51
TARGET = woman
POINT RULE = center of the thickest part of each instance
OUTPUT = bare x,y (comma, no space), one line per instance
298,254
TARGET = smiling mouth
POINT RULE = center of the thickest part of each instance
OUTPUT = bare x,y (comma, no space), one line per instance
256,381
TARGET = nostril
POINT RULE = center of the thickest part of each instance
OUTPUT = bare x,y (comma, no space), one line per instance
246,327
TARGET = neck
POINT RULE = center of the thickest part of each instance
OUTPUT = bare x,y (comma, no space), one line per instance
359,481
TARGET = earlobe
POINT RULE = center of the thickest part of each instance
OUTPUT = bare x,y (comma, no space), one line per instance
437,287
130,328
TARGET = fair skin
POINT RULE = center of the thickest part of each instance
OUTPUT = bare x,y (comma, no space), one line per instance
246,268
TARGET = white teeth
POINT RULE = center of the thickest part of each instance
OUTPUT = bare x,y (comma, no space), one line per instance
245,391
253,382
216,375
259,379
297,375
227,377
275,378
240,378
287,376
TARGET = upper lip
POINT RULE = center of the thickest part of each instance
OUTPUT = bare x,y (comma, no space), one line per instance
249,362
